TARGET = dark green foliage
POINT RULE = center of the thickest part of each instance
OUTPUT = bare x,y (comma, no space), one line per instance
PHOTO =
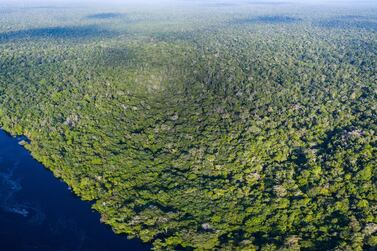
73,32
209,136
105,15
269,20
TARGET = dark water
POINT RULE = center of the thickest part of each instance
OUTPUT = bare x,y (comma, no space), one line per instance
39,212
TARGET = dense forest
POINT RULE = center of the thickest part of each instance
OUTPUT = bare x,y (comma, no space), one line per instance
205,125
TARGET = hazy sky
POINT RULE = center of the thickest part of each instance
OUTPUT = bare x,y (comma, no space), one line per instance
167,1
163,2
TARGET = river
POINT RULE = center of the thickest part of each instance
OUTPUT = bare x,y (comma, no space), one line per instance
39,212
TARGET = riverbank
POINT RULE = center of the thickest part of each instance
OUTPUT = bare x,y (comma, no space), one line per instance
39,212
